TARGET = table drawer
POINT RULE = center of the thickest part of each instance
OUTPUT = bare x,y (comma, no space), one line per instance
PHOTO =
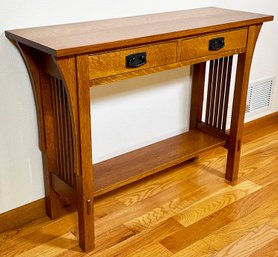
117,62
213,44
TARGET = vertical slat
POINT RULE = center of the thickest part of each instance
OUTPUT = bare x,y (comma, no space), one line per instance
61,171
65,133
59,141
62,130
217,93
67,140
222,93
213,89
56,110
54,107
72,152
70,145
211,69
227,93
57,125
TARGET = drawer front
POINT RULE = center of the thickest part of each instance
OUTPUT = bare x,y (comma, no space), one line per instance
113,63
213,44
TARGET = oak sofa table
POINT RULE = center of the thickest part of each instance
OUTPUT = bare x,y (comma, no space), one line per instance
64,61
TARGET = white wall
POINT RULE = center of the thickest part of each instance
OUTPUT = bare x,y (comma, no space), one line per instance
127,115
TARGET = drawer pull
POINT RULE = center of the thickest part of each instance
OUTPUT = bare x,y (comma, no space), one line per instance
216,44
136,60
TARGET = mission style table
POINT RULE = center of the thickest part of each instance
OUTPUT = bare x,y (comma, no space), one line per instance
64,61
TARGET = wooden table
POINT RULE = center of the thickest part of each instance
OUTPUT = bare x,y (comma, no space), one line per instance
64,61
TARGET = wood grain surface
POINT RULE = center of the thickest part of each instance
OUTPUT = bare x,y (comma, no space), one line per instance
197,47
113,63
137,164
84,37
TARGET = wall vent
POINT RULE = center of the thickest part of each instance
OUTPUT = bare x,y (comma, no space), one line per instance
259,96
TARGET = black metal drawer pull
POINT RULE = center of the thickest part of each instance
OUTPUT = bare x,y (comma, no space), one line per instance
136,60
216,44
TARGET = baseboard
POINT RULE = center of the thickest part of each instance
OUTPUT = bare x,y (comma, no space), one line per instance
22,215
34,210
260,123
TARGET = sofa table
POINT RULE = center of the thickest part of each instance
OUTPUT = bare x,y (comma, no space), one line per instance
64,61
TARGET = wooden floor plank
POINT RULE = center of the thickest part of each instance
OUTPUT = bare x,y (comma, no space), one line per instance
264,130
227,234
153,186
215,202
269,250
260,165
239,228
217,220
261,142
199,248
151,250
188,190
186,211
53,247
137,242
249,243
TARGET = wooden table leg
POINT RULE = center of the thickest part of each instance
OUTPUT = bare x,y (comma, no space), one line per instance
197,94
239,104
85,182
78,89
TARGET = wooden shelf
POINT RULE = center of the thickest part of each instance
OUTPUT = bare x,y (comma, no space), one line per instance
137,164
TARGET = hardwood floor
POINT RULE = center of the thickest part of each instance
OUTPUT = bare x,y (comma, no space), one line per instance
188,210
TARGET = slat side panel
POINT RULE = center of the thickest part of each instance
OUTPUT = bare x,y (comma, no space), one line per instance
217,98
63,133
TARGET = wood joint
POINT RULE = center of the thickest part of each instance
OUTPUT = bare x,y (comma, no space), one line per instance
89,206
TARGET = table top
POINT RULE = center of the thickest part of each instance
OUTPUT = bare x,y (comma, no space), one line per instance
101,35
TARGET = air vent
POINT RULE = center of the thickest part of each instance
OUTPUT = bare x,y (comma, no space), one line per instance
259,96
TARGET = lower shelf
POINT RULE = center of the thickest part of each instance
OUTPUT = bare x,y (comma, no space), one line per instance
124,169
